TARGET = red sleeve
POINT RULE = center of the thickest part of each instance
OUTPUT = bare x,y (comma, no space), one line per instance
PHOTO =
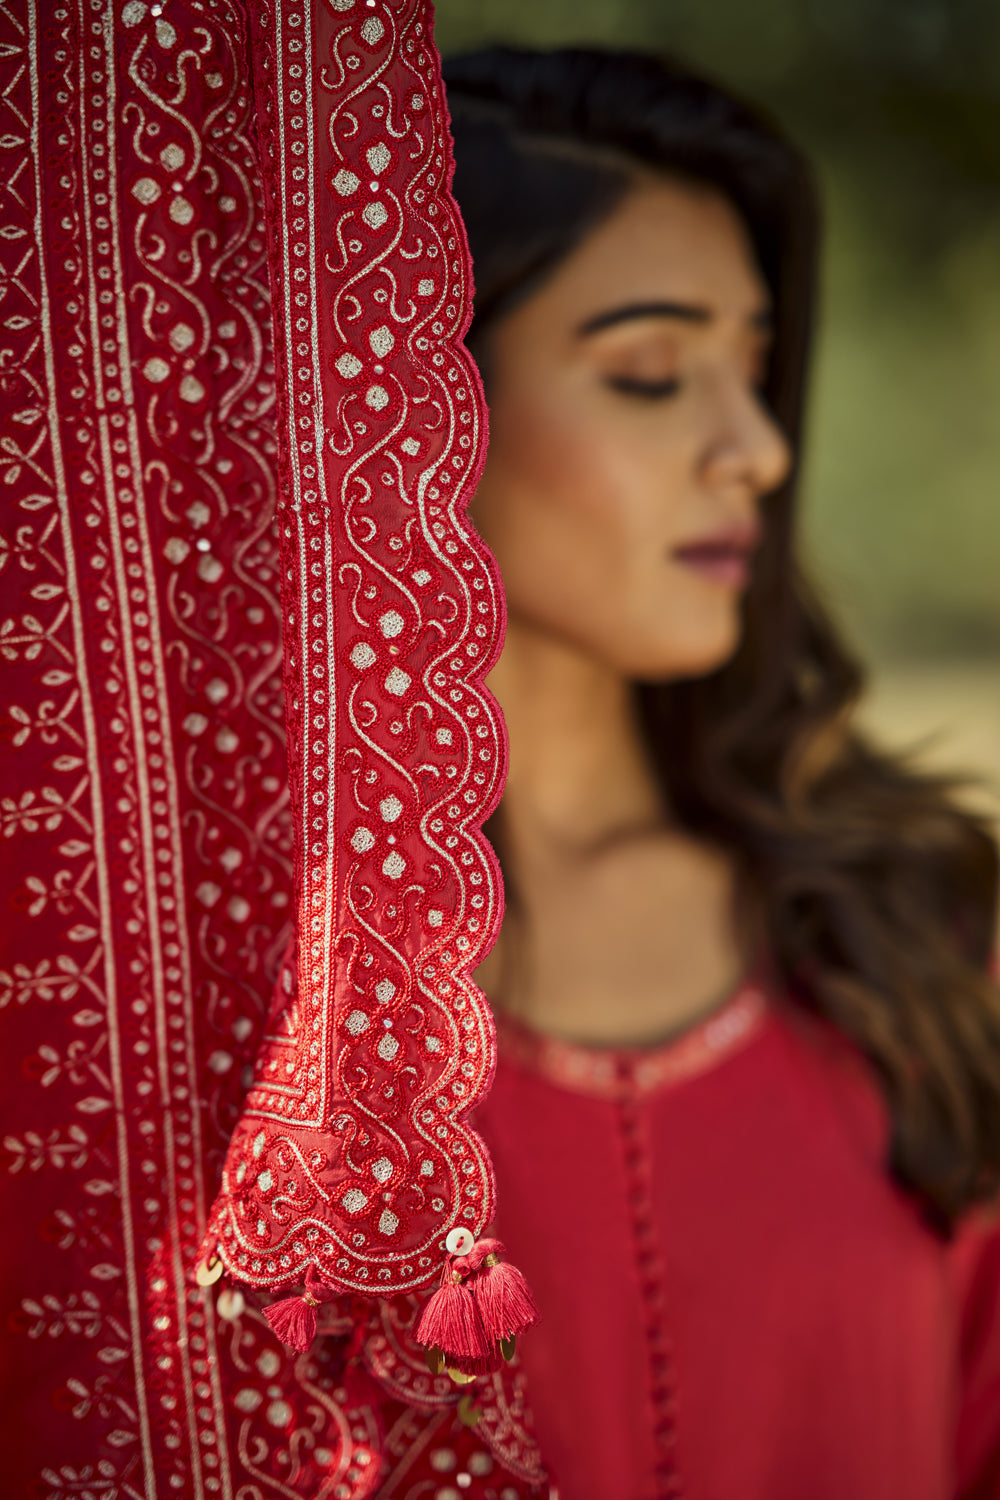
977,1261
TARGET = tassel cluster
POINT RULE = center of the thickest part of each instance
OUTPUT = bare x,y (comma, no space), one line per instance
294,1318
468,1326
483,1303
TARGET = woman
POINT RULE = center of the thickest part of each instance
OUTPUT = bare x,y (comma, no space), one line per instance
748,1100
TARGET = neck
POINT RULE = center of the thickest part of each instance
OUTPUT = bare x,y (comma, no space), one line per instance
579,774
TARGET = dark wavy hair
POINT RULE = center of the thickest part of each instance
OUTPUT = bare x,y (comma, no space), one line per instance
873,894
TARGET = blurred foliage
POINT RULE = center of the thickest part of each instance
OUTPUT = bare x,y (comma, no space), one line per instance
898,104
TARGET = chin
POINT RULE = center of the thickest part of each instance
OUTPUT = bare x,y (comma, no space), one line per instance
683,659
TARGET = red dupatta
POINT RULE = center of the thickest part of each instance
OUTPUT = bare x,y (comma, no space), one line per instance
239,434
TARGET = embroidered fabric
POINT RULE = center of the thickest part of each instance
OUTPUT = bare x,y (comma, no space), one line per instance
352,1153
181,489
627,1072
626,1078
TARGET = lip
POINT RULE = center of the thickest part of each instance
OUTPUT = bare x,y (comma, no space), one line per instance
722,557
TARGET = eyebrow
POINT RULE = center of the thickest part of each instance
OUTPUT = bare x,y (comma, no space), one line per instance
686,312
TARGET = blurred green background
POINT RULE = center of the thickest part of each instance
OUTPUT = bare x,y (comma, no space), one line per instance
898,104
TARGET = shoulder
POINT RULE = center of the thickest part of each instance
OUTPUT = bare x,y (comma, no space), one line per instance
974,1254
836,1071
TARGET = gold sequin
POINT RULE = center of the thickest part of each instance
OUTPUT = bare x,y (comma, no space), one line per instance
468,1412
208,1271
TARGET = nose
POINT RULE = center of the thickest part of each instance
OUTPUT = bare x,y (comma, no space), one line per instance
746,445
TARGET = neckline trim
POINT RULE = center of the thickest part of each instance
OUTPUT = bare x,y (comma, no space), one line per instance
614,1072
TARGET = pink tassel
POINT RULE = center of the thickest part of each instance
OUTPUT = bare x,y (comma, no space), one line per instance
452,1323
294,1318
501,1292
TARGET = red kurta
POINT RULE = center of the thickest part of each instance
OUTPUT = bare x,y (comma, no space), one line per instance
738,1304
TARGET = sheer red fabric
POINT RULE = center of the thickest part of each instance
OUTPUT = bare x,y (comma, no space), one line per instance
235,410
352,1153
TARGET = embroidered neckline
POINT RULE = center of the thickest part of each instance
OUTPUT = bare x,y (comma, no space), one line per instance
610,1072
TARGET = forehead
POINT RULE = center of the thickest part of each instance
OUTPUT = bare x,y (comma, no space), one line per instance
666,240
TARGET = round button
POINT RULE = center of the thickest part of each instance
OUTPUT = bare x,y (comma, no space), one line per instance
230,1304
459,1242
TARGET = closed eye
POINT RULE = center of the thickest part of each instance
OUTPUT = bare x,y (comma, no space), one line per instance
647,390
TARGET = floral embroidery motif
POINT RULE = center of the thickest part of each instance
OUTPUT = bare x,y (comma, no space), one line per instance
144,811
352,1153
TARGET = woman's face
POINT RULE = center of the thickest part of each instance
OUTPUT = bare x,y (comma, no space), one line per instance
629,446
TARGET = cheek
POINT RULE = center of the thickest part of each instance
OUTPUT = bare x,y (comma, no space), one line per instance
581,506
564,501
